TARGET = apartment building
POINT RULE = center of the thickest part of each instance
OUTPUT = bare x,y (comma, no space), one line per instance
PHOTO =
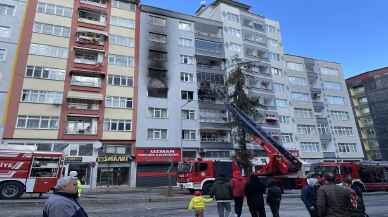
74,86
368,93
317,119
11,20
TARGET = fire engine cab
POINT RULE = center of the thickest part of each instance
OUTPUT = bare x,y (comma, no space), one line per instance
24,170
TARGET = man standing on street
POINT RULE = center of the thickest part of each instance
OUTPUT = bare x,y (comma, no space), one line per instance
274,196
309,195
222,192
254,192
63,202
238,187
333,200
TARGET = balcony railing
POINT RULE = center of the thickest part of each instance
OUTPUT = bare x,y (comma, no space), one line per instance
80,131
98,3
220,139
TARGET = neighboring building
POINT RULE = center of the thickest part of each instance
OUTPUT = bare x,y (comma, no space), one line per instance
74,86
12,13
317,119
369,97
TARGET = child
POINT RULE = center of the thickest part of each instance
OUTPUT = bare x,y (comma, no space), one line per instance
198,203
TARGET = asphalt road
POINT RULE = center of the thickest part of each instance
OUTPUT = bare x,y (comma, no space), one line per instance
137,205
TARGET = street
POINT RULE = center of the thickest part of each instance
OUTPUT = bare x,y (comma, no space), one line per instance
136,205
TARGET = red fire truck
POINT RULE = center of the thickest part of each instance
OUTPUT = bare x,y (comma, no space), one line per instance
281,165
367,175
23,170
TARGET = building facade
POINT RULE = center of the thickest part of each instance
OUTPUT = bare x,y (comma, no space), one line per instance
11,14
75,86
369,100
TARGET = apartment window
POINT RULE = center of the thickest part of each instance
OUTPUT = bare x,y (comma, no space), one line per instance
120,60
329,71
159,38
7,10
117,125
306,129
189,134
235,47
365,111
285,119
157,113
117,149
286,138
347,147
122,22
276,71
297,81
274,56
187,95
330,85
159,21
45,73
48,50
185,42
209,46
157,134
281,103
37,122
185,26
52,9
212,115
81,126
41,96
188,114
362,100
310,147
271,29
295,66
273,43
83,105
3,54
50,29
254,37
279,88
90,57
335,100
128,6
340,115
187,59
211,77
85,81
119,80
297,96
5,31
303,113
233,32
187,77
343,131
121,40
231,17
323,129
118,102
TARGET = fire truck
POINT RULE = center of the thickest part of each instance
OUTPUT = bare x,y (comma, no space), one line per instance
281,165
24,170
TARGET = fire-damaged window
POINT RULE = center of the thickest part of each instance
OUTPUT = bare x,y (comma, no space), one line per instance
157,84
187,95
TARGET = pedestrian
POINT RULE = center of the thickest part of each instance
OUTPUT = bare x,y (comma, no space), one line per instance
198,203
309,195
221,191
254,191
274,196
63,202
74,174
358,206
238,188
333,200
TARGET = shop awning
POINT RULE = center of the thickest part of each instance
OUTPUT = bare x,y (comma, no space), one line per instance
85,95
80,29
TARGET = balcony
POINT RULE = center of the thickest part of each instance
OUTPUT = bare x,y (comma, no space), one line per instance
85,81
74,104
95,3
318,106
81,126
88,59
208,32
209,48
256,54
91,38
94,18
157,59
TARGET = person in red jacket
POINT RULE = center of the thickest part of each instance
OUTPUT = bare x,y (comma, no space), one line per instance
238,188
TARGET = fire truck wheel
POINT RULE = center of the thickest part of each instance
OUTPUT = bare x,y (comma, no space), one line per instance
11,190
206,188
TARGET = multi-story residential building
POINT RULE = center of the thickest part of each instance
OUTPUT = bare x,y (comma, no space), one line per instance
73,88
318,120
11,20
181,80
369,98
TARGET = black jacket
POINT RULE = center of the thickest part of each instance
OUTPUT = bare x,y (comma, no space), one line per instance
254,188
309,196
221,189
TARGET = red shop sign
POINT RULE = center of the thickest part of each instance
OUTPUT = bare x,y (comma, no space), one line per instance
158,154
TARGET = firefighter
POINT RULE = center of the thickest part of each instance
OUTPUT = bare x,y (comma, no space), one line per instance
74,175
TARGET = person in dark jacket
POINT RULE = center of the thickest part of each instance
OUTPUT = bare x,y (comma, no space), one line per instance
254,192
63,202
274,196
309,195
221,191
358,206
238,188
333,200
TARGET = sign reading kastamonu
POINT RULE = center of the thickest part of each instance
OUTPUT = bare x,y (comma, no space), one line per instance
113,159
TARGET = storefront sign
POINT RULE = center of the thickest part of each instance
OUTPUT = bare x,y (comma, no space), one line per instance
113,159
158,154
73,159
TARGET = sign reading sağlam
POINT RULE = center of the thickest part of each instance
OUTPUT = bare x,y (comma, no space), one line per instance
157,154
